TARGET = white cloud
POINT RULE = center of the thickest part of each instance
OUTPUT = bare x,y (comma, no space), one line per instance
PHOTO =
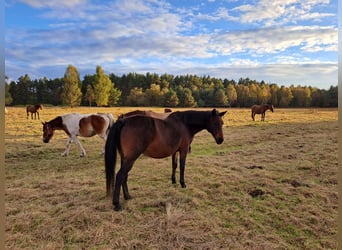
275,12
53,3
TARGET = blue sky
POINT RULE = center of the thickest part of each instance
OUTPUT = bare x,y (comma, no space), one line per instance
278,41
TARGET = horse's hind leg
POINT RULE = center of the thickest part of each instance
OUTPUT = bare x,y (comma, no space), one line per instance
121,180
127,196
174,167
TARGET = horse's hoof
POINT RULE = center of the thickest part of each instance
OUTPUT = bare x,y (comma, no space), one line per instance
117,208
183,185
127,197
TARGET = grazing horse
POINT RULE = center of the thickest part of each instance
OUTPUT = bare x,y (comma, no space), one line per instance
156,138
75,124
158,116
261,109
33,109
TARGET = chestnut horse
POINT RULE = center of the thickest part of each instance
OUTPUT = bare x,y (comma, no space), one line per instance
261,109
75,124
156,138
33,109
158,116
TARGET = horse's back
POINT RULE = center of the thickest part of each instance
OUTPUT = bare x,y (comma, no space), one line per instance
151,136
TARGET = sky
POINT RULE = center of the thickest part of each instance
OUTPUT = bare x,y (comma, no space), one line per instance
278,41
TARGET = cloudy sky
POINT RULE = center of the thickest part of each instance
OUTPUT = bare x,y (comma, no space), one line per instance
279,41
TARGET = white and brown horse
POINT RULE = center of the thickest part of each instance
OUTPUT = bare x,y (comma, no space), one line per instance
261,109
75,124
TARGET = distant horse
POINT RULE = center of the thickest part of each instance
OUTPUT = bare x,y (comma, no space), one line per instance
155,138
75,124
261,109
158,116
33,109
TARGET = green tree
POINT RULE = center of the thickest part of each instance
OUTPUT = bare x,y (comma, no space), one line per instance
171,99
185,98
71,93
154,95
8,97
220,98
136,97
102,87
114,96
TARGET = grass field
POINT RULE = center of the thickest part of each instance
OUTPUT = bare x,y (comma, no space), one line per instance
270,185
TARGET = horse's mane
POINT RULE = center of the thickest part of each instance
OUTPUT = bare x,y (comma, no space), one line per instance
192,117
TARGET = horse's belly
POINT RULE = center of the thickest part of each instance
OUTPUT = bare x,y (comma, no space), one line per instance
160,151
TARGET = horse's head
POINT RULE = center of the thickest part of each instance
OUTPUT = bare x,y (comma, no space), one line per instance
215,125
47,132
271,107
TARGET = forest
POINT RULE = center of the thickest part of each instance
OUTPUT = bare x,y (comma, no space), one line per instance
166,90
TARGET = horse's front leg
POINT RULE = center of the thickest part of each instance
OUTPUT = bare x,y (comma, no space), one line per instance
182,168
82,150
263,117
174,167
67,148
38,115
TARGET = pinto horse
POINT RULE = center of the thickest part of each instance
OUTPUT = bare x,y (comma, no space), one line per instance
261,109
33,109
156,138
75,124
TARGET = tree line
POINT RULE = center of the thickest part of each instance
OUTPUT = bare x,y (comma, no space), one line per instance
164,90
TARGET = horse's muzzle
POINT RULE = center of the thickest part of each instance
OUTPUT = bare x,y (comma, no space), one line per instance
46,140
219,140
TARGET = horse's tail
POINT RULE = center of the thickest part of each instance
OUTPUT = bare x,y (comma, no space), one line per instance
111,146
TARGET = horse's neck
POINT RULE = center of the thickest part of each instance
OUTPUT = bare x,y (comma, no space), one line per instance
57,123
196,121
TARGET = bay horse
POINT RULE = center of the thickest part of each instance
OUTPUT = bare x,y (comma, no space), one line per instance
158,116
33,109
75,124
156,138
261,109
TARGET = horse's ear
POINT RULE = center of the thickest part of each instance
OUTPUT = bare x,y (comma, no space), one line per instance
222,113
43,123
213,112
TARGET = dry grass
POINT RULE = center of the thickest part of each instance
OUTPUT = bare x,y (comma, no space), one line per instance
270,185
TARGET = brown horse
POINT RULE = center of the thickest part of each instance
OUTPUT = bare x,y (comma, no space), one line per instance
261,109
75,124
33,109
156,138
158,116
